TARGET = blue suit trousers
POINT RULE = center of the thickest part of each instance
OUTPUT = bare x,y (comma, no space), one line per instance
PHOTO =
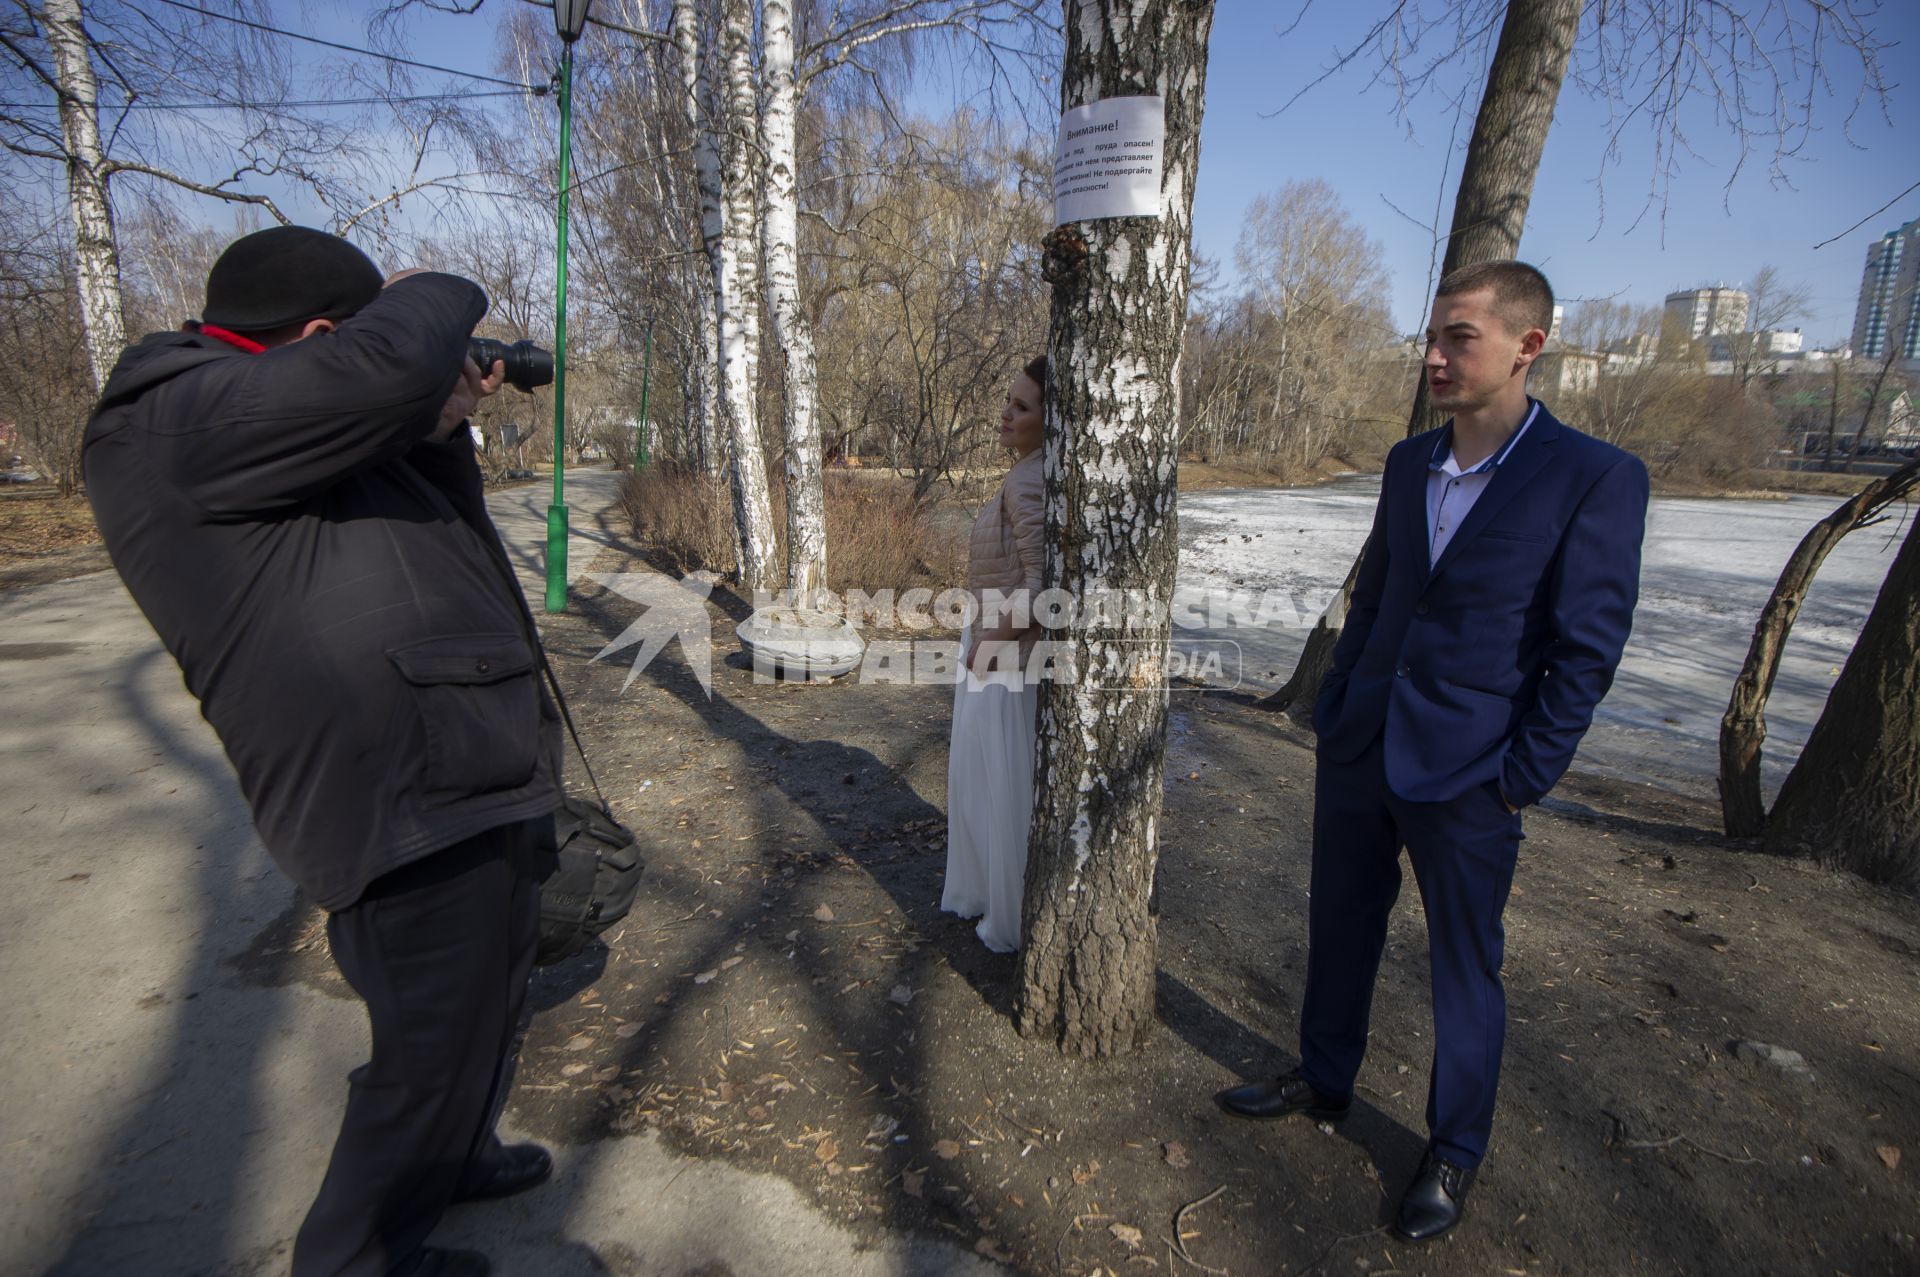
1463,852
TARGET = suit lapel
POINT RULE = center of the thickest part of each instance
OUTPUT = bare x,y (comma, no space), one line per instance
1407,507
1530,455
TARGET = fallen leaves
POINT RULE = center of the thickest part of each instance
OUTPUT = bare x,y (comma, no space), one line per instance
1890,1154
1127,1235
1176,1154
946,1150
823,914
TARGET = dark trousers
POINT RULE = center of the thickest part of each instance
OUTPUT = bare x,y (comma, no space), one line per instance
1463,854
441,951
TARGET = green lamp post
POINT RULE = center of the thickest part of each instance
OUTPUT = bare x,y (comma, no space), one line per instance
569,19
640,431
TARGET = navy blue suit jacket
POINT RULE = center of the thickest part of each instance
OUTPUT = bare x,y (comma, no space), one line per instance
1488,665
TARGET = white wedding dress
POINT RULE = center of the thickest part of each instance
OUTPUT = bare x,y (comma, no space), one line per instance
990,801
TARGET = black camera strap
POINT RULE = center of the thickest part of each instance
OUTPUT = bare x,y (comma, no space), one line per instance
566,716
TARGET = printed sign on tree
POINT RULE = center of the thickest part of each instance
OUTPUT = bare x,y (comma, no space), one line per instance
1108,160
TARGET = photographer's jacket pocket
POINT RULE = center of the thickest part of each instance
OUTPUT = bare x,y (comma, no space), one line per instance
479,704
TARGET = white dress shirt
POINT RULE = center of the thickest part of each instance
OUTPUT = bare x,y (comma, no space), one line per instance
1452,491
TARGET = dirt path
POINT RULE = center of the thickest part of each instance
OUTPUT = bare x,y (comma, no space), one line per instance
787,996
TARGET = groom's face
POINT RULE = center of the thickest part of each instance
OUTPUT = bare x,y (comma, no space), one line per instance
1473,355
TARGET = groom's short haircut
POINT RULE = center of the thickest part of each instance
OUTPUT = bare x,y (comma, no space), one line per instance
1522,297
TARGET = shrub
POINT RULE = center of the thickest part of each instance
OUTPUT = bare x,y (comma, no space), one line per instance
878,537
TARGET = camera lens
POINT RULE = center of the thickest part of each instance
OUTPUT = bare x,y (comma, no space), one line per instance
527,365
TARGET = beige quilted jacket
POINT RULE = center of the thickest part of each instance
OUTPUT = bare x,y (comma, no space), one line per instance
1004,551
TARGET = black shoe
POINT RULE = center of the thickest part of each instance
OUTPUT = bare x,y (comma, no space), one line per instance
514,1169
1286,1094
433,1261
1435,1200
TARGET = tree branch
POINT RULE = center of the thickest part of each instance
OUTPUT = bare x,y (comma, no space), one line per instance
218,192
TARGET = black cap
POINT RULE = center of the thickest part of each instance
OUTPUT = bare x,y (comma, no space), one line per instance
286,275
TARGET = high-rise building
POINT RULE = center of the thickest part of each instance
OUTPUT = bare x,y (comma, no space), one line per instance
1699,313
1886,316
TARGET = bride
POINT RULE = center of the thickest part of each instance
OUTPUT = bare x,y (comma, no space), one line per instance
990,762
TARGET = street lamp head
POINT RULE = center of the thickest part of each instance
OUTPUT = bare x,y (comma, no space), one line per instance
570,18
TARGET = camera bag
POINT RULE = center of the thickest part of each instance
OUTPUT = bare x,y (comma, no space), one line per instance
599,865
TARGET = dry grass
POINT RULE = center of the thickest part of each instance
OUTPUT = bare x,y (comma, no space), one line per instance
877,536
35,521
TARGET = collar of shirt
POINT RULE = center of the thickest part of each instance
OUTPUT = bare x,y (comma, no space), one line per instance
1442,461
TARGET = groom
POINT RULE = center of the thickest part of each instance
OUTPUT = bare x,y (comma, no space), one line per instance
1495,594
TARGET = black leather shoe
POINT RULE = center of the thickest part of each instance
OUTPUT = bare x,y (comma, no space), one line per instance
436,1262
1289,1093
1435,1200
514,1169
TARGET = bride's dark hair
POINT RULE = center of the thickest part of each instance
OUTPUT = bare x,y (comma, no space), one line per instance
1037,369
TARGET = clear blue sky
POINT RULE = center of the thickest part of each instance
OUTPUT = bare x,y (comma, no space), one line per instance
1353,141
1350,137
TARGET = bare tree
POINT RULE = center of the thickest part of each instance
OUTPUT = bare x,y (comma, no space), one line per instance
1317,297
119,60
46,384
1743,728
702,369
806,493
924,277
734,117
1119,313
1852,800
1772,304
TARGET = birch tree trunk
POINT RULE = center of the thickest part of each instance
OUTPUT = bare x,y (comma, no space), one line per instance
806,493
1118,325
698,100
96,258
1852,801
1489,213
736,288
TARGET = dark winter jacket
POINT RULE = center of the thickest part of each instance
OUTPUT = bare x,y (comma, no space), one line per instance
330,583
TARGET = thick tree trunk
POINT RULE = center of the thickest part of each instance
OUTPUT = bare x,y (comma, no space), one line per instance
1297,695
96,257
1118,323
736,281
806,492
1489,213
704,404
1852,801
1743,728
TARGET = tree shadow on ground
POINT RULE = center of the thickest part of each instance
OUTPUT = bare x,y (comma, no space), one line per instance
875,820
148,1175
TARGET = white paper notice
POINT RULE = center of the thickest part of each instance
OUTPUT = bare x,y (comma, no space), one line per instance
1108,162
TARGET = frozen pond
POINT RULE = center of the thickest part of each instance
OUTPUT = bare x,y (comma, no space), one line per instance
1708,568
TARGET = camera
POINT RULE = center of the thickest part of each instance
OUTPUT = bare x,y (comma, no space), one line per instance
527,364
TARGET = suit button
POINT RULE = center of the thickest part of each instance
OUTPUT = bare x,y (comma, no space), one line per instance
1401,672
482,668
1419,609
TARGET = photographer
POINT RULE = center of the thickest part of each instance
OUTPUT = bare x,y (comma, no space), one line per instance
289,490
